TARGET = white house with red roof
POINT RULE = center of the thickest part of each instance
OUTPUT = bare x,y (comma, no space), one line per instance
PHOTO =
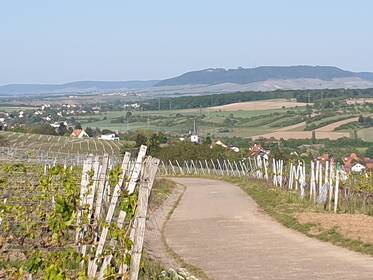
79,133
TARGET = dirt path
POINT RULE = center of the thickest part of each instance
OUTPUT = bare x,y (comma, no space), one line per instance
220,229
293,127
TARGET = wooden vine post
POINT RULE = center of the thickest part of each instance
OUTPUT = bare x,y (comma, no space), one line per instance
146,184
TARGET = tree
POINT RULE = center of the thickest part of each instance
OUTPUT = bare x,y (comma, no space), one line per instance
369,152
207,140
62,129
128,115
141,139
153,144
78,126
90,131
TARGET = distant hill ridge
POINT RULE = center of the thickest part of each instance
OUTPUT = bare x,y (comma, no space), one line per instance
216,76
213,76
79,86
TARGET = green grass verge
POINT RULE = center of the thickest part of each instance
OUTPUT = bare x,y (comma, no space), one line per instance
283,206
162,189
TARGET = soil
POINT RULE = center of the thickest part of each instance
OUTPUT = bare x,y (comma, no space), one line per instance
303,135
353,226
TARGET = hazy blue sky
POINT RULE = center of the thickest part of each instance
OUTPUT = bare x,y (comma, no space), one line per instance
45,41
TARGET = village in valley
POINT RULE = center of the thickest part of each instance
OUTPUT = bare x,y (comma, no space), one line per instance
186,140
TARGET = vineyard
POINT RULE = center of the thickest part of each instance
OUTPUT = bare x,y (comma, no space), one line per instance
61,144
61,222
323,183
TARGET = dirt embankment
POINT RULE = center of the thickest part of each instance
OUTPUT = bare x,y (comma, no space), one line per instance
353,226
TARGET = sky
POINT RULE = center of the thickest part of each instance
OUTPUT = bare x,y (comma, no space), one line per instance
47,41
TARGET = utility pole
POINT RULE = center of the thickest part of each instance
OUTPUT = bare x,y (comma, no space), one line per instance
127,121
148,121
159,104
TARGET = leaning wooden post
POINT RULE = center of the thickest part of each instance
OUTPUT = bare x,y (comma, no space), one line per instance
202,170
221,169
89,198
208,168
225,167
243,164
144,194
181,170
82,200
251,165
113,203
336,191
187,167
173,168
242,168
238,170
231,167
164,168
214,167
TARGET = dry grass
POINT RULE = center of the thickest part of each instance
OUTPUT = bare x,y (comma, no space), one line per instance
333,126
325,132
259,105
353,226
298,126
359,101
303,135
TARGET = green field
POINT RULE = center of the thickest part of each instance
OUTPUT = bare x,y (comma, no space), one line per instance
366,134
217,123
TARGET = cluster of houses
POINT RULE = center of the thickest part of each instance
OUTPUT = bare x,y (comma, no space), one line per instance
221,144
351,163
195,139
80,133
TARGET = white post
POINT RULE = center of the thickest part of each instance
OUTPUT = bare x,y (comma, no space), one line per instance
208,168
336,191
274,172
181,170
291,177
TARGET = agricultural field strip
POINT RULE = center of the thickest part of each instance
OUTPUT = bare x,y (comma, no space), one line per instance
293,127
259,105
333,126
322,132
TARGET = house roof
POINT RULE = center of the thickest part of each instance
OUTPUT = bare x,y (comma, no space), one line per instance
77,132
257,150
348,161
